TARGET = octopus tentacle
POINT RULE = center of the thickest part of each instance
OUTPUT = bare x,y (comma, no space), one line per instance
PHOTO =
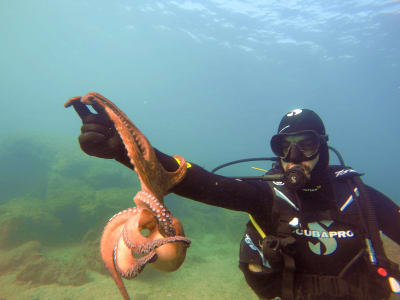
180,172
151,174
126,264
111,236
162,214
132,241
124,249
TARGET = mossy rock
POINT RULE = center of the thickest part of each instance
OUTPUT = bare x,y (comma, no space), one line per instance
39,272
26,219
44,271
33,267
92,171
73,272
13,259
91,257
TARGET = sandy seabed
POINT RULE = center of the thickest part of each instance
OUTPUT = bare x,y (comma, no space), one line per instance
209,272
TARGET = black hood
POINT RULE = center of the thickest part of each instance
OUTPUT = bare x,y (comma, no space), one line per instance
319,173
301,120
317,194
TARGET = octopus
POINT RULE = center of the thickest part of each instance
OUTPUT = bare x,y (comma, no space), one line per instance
146,233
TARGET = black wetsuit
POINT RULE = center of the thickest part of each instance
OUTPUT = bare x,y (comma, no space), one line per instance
323,246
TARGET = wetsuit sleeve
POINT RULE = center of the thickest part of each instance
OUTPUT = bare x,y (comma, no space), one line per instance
253,197
387,212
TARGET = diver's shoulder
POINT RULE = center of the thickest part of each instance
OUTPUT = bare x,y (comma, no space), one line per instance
342,172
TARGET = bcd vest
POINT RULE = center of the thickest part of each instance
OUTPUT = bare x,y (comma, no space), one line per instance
318,251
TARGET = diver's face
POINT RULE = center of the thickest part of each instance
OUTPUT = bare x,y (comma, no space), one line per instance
307,165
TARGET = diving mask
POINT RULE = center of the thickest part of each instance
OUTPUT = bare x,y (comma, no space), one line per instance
298,146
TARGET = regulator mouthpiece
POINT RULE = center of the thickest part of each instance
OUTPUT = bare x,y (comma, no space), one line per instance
295,178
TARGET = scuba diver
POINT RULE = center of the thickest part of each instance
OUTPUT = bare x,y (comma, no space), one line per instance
314,229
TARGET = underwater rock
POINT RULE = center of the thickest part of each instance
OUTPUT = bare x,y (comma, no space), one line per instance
73,272
61,220
77,218
26,219
91,257
38,272
44,271
33,267
17,257
92,172
56,221
90,250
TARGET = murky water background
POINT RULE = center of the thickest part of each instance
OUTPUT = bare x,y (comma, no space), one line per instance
209,81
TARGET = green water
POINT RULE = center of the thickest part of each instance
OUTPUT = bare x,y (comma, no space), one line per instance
209,80
52,216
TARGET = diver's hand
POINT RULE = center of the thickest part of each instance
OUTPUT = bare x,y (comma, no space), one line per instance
98,135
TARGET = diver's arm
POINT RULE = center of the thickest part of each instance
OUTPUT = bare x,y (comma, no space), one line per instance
209,188
99,138
388,214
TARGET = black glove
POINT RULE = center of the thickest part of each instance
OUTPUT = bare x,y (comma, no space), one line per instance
98,135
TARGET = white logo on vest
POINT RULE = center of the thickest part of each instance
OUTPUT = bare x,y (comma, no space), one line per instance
327,239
